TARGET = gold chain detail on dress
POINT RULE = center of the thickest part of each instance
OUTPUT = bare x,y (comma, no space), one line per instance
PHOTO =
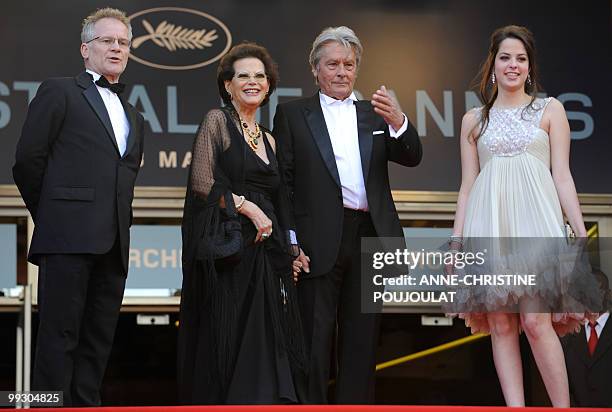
252,137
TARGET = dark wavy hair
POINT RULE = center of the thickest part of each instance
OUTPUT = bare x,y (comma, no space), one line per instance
487,90
225,71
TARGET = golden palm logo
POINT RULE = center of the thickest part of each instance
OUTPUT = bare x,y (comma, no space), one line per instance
174,37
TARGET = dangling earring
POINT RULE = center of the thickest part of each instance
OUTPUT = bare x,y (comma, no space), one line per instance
492,78
230,95
529,79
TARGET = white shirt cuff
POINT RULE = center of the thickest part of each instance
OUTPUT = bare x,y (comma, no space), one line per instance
401,130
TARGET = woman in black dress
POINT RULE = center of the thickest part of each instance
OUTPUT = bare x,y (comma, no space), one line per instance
240,334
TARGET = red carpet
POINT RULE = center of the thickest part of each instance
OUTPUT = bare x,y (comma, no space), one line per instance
317,408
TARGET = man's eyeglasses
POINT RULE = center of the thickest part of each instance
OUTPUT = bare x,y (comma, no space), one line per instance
245,77
109,41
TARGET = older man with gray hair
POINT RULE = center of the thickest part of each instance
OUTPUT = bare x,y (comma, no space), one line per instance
76,163
334,152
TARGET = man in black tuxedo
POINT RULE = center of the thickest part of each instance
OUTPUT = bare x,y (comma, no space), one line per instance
334,153
76,163
588,357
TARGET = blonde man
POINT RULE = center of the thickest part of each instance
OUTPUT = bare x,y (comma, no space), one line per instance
75,166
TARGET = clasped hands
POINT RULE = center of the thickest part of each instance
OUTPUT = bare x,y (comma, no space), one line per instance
302,262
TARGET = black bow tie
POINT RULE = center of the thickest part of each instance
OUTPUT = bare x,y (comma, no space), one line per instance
113,87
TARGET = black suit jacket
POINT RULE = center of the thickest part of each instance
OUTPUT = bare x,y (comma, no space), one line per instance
309,167
590,377
74,182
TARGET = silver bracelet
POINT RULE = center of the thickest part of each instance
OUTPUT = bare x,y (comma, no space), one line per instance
241,203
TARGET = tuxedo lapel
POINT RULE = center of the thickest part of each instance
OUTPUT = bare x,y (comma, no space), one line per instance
95,101
581,347
131,116
318,128
364,129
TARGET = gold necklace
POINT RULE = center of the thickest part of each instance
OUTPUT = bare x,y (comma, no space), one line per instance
252,137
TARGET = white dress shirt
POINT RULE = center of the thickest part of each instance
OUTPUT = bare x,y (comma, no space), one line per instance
341,120
601,322
116,113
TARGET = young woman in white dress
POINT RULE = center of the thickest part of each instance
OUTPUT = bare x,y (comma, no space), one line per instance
516,182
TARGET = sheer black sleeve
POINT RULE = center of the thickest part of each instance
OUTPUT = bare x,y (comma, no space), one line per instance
206,179
204,300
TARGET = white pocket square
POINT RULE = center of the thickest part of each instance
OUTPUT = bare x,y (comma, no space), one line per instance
378,132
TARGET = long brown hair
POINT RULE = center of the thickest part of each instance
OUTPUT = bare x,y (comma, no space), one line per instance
487,89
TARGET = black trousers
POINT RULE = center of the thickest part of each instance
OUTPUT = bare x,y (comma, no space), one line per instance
331,306
79,299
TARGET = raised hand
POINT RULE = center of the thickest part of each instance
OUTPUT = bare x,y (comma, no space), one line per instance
388,107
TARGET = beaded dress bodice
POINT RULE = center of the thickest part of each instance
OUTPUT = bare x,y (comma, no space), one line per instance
514,194
514,131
